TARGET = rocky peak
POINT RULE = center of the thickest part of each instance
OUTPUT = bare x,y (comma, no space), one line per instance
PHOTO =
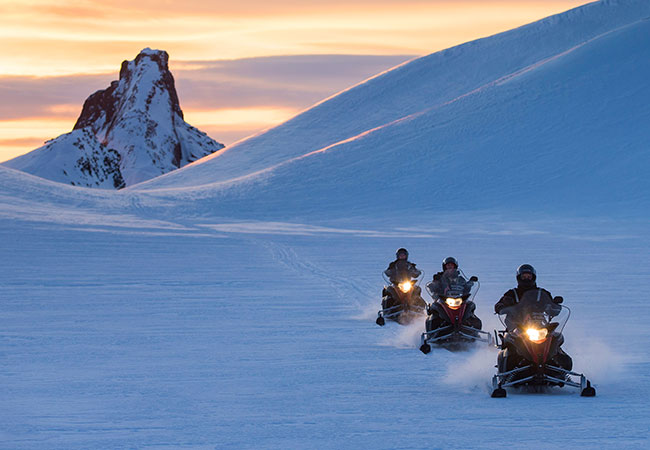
129,132
152,64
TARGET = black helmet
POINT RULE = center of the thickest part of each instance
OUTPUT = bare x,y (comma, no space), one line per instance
401,250
447,260
526,268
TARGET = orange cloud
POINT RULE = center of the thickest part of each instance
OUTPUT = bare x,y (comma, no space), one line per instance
88,37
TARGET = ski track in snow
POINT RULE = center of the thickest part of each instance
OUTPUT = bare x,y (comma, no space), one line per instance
343,287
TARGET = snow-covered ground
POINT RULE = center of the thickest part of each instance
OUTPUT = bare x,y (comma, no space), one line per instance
149,337
232,303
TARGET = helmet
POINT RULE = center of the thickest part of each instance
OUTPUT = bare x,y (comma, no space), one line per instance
401,250
526,268
449,259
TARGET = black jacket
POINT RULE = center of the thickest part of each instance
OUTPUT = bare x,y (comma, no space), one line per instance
509,298
399,268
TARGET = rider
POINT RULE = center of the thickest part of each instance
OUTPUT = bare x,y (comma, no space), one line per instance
526,280
451,278
401,268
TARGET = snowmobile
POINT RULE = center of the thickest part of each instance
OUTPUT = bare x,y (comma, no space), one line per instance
450,320
401,300
530,354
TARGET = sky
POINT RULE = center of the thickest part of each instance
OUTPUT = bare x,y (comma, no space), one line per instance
240,67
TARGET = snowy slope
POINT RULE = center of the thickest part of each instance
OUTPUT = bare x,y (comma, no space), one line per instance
412,88
567,135
130,132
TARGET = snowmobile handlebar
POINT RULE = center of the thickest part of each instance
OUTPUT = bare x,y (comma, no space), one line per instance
519,317
418,279
472,283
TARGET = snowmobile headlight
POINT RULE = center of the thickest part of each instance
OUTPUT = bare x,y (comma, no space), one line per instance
454,303
405,286
537,335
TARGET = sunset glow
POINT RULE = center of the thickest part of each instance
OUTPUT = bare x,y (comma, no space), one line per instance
233,117
235,123
80,38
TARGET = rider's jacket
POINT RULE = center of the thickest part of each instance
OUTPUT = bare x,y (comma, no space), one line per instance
401,268
445,281
512,296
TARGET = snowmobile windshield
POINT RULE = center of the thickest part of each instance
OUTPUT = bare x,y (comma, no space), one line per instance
457,286
535,309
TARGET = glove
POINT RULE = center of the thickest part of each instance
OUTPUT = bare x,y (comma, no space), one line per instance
503,303
437,277
559,299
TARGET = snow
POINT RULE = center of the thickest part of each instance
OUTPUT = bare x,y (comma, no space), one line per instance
60,160
232,304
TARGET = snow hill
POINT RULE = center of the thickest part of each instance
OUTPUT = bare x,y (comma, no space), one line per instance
534,118
231,303
130,132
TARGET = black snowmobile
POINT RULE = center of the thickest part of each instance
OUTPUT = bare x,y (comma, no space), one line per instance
530,354
402,300
451,321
